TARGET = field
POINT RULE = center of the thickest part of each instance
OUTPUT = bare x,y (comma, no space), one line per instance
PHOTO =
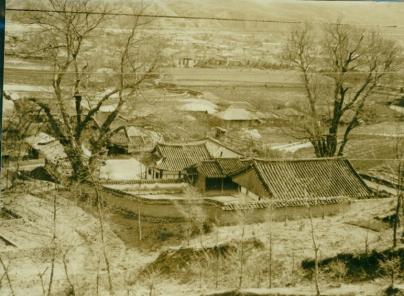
231,77
165,110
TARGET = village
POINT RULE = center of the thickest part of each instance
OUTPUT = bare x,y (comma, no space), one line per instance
212,158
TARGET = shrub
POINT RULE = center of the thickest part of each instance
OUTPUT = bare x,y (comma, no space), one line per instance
164,234
338,269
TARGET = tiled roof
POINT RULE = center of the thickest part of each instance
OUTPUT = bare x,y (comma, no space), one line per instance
178,157
319,178
210,168
48,146
220,167
298,202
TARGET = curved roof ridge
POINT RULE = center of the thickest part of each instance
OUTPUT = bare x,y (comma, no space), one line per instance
209,138
298,159
193,143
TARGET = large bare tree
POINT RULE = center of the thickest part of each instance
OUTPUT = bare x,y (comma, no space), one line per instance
341,69
71,37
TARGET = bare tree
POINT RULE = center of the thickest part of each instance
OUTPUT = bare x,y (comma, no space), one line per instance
316,246
316,249
391,268
353,63
54,246
68,279
41,276
7,275
217,253
399,171
66,34
241,250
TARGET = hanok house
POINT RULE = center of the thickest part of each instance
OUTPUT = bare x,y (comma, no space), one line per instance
140,139
118,143
49,148
214,175
169,161
236,117
298,182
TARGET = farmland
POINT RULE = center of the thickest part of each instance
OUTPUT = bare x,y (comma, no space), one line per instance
265,90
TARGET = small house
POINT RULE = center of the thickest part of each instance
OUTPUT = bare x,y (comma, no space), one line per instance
49,148
214,175
301,180
169,160
132,139
186,62
237,117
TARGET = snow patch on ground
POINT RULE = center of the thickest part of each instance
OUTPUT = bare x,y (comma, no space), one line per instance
26,88
122,169
14,63
291,147
397,108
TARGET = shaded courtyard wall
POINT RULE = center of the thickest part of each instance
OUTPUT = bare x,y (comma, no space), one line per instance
181,210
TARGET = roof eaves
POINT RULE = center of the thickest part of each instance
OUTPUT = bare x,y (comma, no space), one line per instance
261,178
223,145
357,175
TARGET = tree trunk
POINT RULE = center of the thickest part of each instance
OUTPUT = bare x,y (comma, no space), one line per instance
325,146
80,169
316,250
396,219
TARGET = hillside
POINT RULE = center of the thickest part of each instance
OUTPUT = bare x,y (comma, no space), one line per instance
167,264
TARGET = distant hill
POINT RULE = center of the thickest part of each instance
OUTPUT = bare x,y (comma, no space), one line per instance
238,39
355,12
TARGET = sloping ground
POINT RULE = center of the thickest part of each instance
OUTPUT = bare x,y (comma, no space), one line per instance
385,129
344,290
174,260
77,238
189,268
360,266
291,244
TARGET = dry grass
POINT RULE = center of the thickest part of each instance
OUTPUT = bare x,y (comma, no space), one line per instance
291,245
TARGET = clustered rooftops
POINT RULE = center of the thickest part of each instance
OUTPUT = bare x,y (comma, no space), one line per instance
179,156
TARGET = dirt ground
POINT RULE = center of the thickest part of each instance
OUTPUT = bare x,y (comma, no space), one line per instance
78,241
79,248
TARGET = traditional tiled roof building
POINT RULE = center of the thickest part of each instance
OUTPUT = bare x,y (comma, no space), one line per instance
214,175
170,160
306,180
